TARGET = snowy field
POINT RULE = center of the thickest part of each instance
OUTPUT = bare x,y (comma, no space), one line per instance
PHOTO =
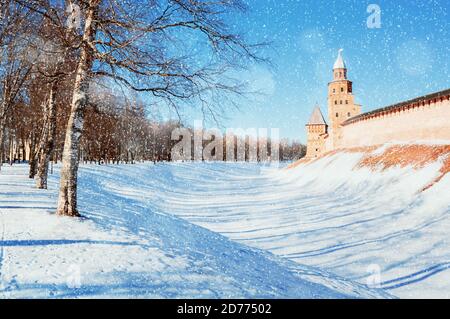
352,222
129,245
229,230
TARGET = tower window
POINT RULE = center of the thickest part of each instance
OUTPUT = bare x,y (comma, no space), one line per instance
348,114
340,102
337,114
334,90
346,101
342,89
335,102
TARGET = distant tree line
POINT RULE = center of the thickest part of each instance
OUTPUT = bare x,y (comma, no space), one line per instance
115,131
291,150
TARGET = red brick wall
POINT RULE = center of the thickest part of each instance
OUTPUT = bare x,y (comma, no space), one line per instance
430,121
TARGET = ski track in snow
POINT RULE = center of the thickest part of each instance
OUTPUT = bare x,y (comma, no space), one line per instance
129,243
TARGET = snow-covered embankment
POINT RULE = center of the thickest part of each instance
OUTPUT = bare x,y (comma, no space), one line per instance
129,246
364,214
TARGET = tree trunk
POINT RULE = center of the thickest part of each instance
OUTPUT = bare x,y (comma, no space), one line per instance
32,161
12,153
2,142
24,151
33,166
67,201
47,144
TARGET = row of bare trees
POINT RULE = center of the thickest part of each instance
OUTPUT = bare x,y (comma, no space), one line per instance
58,57
126,135
119,134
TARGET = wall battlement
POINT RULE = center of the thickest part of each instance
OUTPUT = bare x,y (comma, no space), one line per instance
425,119
405,106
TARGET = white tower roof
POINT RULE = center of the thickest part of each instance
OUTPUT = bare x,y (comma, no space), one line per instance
339,64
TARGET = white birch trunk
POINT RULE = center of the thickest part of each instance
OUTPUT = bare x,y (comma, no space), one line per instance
2,142
32,161
67,202
46,146
2,133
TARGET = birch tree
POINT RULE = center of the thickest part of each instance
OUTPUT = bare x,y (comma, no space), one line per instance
55,67
67,201
179,51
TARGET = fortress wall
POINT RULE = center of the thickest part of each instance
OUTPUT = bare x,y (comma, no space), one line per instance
428,120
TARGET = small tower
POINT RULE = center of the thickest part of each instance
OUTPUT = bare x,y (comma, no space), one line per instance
316,130
341,104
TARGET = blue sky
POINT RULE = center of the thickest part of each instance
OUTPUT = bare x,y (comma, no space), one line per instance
405,58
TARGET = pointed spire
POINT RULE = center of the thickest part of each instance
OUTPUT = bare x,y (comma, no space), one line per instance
339,64
316,117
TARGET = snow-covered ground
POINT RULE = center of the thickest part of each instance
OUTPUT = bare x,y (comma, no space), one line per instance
142,236
363,225
130,244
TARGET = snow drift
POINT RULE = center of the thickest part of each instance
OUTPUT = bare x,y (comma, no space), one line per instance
381,211
377,217
127,246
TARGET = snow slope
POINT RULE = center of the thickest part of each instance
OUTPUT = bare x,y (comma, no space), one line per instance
361,223
129,246
358,223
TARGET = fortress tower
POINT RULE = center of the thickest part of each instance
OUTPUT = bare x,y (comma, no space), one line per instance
316,130
341,105
421,118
